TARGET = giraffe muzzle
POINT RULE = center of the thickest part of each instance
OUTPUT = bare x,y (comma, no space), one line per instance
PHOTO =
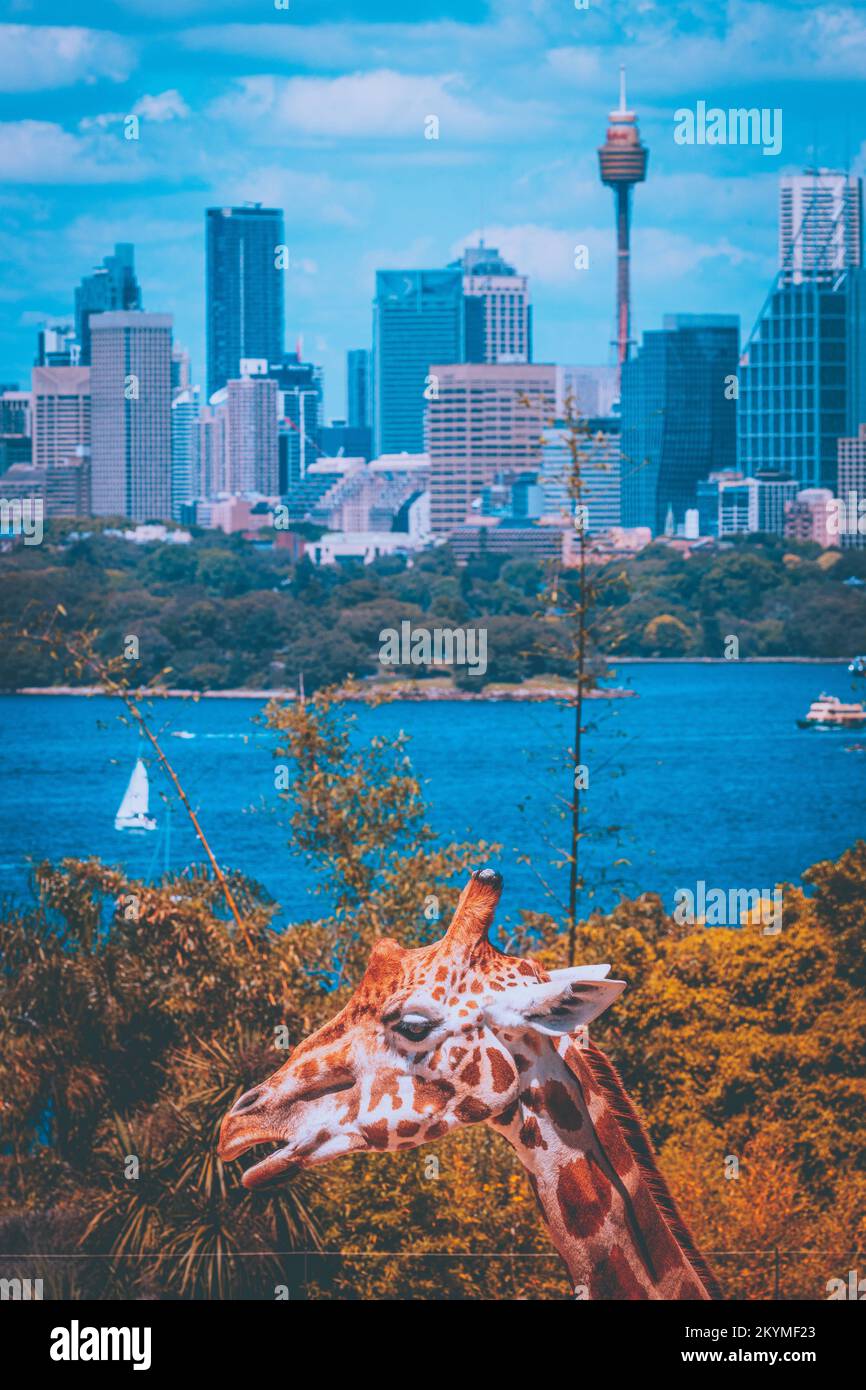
270,1115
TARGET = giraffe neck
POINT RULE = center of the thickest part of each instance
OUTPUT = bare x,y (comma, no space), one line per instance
605,1204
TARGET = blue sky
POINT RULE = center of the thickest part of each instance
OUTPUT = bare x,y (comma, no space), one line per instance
320,109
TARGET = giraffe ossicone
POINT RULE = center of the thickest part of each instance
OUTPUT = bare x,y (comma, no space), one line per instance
459,1033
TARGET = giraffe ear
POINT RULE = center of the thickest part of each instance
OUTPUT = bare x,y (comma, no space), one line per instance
567,1001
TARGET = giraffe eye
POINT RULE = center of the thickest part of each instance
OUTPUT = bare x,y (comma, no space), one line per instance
414,1027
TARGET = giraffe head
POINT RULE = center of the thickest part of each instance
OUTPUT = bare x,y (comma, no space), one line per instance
432,1039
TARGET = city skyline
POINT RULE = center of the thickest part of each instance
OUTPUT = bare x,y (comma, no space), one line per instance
326,119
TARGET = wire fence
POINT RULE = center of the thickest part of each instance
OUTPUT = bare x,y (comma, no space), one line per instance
771,1274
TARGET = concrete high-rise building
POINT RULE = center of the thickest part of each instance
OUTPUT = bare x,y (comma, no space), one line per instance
770,495
728,503
253,452
599,461
498,313
211,448
622,161
820,224
181,368
67,486
244,289
359,388
678,417
60,413
722,503
111,287
485,425
851,492
418,319
184,448
807,518
130,386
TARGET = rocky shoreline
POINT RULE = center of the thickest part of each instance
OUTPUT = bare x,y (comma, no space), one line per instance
411,690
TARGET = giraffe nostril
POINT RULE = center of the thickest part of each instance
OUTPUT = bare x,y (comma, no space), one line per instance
246,1101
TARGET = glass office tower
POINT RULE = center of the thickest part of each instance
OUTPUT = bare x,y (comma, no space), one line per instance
418,319
111,286
678,417
244,293
803,377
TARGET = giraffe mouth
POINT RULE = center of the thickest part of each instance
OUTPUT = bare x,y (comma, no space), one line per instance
287,1160
280,1163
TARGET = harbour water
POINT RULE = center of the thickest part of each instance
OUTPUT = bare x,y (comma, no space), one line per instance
703,777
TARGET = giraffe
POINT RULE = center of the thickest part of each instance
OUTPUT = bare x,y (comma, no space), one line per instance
459,1033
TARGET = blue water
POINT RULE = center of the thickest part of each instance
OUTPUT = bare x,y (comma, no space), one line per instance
705,774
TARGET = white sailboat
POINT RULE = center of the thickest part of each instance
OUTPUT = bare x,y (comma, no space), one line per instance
132,813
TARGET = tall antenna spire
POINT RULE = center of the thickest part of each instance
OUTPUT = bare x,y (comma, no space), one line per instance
622,105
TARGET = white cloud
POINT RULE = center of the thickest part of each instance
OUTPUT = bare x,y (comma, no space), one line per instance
753,41
545,254
306,197
35,58
421,251
335,47
43,152
166,106
380,103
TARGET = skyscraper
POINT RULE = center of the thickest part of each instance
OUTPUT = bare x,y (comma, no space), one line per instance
60,413
252,433
498,312
184,448
484,426
359,388
599,459
802,375
852,491
111,286
586,391
300,387
622,161
130,383
57,344
820,223
678,416
418,319
245,300
211,449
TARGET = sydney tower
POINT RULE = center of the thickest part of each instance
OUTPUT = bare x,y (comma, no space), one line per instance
623,161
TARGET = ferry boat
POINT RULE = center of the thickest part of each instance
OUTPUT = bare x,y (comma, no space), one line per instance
857,666
829,712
